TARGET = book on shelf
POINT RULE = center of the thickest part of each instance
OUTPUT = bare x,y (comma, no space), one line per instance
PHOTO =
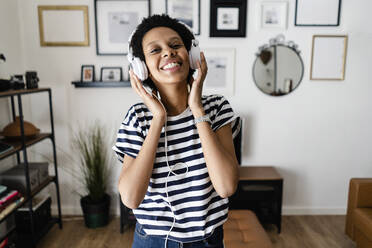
10,201
11,207
10,195
3,188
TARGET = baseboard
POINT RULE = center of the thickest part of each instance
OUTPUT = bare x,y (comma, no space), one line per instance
76,210
312,211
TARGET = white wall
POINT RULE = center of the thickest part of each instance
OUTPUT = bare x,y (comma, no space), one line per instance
318,136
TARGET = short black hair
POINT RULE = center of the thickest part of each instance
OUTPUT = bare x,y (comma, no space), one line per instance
159,21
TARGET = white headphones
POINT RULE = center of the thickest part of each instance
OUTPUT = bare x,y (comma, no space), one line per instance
139,67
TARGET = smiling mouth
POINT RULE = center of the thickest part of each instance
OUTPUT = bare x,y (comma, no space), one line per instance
171,65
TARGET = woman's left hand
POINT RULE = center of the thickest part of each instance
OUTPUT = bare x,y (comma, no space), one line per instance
194,100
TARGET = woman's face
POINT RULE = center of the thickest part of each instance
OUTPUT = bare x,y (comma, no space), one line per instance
166,56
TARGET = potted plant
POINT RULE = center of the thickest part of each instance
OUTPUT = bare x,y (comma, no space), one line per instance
92,147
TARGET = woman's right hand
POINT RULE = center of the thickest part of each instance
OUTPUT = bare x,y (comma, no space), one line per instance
152,103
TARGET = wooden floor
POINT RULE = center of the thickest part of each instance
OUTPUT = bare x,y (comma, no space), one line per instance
297,232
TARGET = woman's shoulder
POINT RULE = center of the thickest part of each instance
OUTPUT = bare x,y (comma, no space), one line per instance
213,99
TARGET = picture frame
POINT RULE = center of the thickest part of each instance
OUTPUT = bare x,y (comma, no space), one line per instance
111,74
115,21
228,18
63,25
273,15
185,12
220,78
87,73
328,57
317,13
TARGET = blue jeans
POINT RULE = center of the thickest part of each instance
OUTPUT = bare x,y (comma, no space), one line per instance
142,240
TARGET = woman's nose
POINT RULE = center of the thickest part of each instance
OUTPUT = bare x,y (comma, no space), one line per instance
169,52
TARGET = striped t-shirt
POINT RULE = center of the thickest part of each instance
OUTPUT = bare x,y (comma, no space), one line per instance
197,206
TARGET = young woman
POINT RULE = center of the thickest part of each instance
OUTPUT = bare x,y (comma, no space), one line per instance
177,172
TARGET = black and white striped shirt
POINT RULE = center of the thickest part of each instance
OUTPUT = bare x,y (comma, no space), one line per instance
197,206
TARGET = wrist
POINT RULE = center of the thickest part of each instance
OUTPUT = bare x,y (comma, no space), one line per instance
198,112
158,119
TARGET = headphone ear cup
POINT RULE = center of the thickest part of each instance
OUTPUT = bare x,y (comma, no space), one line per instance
194,56
140,69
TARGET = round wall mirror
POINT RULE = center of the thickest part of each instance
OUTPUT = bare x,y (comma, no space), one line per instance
278,68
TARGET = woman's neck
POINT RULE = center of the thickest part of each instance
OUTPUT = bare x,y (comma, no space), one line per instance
174,99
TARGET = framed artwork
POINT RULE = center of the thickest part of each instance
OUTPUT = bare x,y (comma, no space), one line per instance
186,11
328,57
228,18
111,74
61,25
274,15
87,73
115,22
221,71
317,13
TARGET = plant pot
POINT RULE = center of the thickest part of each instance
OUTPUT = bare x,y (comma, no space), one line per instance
95,214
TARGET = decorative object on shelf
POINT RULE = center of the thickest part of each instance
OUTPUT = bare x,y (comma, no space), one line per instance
12,131
221,71
87,73
273,15
61,25
17,82
228,18
32,80
115,21
185,11
92,147
317,13
278,68
328,57
111,74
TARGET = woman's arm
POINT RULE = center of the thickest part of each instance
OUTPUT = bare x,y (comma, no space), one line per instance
136,172
219,155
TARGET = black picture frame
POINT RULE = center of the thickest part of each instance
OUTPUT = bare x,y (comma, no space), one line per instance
314,15
194,18
240,31
111,69
82,76
104,44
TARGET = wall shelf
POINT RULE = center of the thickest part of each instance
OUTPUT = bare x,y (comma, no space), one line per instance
100,84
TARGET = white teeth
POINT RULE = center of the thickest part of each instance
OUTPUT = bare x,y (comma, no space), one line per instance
170,65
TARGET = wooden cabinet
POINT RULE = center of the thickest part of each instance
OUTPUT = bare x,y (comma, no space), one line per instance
260,189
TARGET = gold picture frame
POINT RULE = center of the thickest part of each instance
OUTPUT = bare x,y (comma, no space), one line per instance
63,25
328,57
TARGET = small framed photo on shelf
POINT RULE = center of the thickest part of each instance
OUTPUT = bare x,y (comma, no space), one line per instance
228,18
273,15
115,21
186,11
87,73
111,74
328,57
317,13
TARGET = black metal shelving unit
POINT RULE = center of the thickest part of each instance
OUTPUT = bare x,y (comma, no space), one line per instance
21,146
100,84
